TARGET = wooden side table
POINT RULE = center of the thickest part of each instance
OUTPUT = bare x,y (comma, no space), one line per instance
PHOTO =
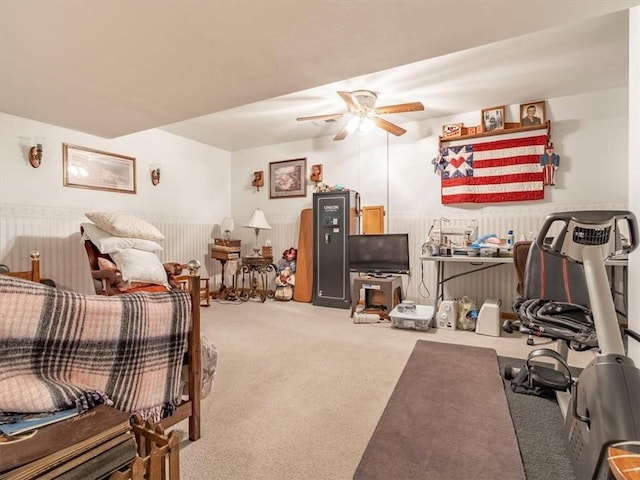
223,257
257,269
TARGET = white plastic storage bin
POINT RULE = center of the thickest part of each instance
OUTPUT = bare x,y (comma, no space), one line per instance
420,319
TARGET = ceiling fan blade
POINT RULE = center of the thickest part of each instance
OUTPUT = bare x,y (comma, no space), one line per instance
350,100
330,116
402,107
388,126
342,133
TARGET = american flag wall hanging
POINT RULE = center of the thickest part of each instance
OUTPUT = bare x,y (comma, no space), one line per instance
486,170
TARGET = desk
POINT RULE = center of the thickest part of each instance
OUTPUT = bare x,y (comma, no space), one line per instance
484,263
257,269
481,263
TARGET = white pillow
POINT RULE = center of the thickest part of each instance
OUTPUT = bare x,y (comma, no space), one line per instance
107,243
140,266
122,225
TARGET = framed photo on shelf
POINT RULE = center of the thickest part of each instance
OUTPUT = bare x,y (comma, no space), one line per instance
532,113
88,168
492,119
288,178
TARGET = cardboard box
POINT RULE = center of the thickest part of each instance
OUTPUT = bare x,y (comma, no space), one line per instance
418,320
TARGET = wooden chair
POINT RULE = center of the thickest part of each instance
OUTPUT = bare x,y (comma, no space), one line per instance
105,280
158,454
205,291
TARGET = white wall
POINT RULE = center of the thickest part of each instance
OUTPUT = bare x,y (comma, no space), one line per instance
206,178
201,184
38,212
589,133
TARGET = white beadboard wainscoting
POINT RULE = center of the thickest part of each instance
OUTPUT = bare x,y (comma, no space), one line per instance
55,233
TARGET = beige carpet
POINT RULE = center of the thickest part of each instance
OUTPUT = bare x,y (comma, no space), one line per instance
299,389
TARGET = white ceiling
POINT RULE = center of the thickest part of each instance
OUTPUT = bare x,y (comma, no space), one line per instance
236,74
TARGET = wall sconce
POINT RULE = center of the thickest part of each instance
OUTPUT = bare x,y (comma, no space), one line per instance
35,155
316,173
155,174
258,180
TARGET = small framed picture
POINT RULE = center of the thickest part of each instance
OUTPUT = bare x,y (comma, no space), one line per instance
493,119
532,113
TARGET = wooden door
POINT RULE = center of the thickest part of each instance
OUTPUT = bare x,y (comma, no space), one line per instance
373,219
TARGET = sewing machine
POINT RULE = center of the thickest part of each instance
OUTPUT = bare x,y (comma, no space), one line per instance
462,233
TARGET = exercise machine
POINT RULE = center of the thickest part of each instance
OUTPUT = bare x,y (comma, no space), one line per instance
602,406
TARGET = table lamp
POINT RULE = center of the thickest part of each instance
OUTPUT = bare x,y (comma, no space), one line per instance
227,227
257,222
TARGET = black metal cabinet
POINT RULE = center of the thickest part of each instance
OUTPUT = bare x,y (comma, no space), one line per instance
336,215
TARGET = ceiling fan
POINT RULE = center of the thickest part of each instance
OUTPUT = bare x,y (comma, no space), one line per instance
361,106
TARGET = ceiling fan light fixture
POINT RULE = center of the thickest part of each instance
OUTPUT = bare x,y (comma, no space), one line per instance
365,125
353,124
364,115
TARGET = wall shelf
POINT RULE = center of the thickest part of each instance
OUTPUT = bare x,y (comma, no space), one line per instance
545,126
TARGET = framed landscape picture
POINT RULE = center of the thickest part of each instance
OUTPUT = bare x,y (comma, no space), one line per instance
288,178
88,168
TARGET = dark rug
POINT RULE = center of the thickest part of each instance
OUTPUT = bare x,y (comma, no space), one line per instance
446,419
539,428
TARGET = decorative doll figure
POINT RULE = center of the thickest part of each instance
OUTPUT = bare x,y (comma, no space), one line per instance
286,274
549,162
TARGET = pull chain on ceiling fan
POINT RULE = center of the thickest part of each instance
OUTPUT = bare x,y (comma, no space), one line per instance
361,107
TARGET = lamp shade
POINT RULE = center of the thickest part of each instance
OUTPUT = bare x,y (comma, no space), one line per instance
227,225
258,221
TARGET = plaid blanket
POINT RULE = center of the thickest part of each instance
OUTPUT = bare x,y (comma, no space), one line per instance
60,349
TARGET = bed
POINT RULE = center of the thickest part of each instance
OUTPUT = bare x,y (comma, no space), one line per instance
60,349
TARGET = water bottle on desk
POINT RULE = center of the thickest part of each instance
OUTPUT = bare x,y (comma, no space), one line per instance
510,240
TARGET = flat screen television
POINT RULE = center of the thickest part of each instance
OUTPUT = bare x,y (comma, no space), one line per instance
379,254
